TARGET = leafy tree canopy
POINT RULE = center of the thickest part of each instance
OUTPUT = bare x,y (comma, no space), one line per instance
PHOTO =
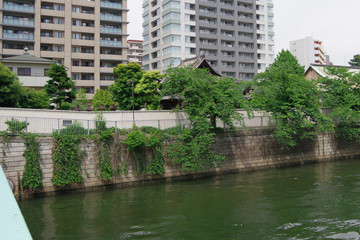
148,90
103,97
127,75
146,87
341,92
10,88
60,87
291,101
34,99
355,62
203,96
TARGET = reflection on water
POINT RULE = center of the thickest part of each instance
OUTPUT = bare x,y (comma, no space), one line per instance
310,202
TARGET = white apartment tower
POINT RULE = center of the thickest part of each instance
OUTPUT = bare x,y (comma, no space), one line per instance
235,36
88,37
265,33
308,51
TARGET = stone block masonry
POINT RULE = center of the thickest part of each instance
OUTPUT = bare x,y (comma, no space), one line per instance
244,150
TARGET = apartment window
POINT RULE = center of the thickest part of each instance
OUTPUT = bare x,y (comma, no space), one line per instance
189,6
76,36
260,27
171,4
76,63
58,7
171,61
171,15
170,38
171,50
171,27
76,9
58,20
76,22
24,71
46,34
260,17
58,35
76,76
76,49
260,7
58,48
58,61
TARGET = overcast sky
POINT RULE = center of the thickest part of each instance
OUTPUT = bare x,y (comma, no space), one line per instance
334,22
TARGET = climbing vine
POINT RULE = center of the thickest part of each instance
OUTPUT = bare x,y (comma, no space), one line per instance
191,150
142,144
32,177
67,158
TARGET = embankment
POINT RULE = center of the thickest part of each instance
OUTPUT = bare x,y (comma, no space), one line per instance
244,150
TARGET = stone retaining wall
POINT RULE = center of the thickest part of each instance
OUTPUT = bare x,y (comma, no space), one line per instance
245,151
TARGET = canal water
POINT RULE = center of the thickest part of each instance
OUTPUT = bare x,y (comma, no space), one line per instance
319,201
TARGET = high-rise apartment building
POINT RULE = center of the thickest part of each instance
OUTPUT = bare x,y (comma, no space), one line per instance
227,32
309,51
87,36
265,34
135,51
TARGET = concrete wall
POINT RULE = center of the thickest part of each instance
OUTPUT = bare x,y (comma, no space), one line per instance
245,151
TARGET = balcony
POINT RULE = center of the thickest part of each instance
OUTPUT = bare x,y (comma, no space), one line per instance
110,17
52,54
111,30
18,36
108,4
19,22
18,7
110,43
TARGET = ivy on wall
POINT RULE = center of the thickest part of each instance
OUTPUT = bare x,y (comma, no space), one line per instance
32,177
67,157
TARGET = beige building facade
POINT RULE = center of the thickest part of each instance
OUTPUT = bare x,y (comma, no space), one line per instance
135,51
88,37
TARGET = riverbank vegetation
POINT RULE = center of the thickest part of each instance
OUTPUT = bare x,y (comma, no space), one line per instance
292,102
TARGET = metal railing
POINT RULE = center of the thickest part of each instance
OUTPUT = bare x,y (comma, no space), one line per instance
46,126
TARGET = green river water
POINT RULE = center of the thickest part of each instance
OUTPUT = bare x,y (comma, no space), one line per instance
320,201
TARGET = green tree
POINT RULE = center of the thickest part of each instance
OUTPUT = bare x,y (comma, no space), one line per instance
60,87
122,89
204,96
355,62
81,99
10,88
148,90
34,99
341,92
291,101
103,97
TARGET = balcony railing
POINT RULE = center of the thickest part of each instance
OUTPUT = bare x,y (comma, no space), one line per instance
108,4
110,43
18,36
110,30
21,22
110,17
18,7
